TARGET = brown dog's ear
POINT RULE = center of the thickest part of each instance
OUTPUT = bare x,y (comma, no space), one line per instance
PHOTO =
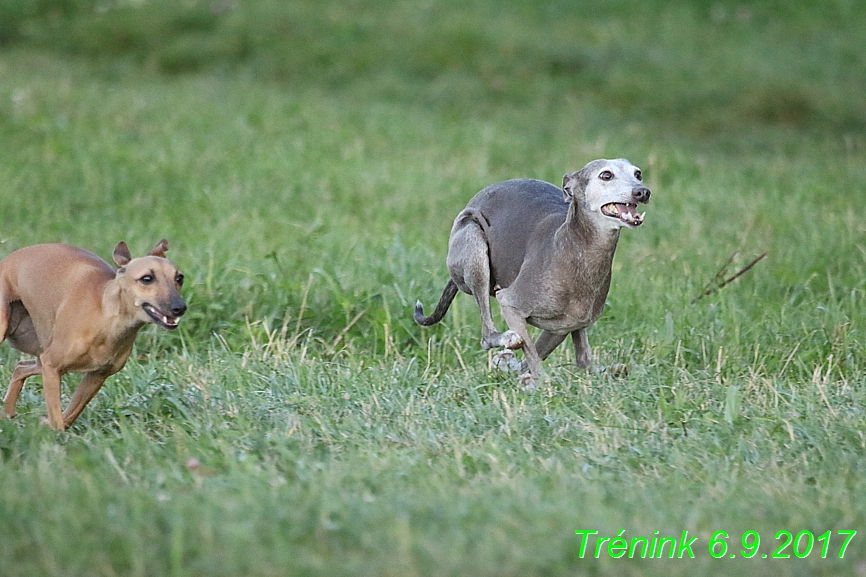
159,249
122,255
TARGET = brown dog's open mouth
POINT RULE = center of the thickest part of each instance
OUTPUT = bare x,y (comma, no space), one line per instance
162,320
626,212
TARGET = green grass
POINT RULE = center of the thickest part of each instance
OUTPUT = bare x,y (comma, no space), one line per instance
305,161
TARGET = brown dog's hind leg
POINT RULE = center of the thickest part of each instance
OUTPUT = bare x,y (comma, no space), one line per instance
23,370
4,315
87,389
51,391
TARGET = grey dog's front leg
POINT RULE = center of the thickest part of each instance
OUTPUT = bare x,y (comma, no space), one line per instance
547,342
517,323
582,350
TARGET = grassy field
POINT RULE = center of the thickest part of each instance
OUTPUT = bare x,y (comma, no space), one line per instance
305,161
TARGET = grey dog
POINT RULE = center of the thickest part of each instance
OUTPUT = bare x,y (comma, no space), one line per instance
545,253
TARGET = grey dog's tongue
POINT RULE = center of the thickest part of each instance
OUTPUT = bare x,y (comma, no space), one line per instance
627,209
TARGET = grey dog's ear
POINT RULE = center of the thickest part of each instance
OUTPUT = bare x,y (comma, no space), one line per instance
159,249
573,183
121,254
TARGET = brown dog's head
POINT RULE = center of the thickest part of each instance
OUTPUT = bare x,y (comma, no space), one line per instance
151,284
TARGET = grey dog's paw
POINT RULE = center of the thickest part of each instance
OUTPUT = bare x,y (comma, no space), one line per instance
511,340
528,383
505,361
508,340
617,371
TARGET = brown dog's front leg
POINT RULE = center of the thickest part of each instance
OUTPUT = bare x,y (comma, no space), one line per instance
87,389
22,370
51,391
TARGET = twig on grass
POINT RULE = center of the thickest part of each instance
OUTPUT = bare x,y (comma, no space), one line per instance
717,283
346,329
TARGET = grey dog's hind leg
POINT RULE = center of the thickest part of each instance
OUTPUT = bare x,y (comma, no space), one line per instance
469,264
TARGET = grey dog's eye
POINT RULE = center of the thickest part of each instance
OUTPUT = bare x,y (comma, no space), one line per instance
637,174
606,175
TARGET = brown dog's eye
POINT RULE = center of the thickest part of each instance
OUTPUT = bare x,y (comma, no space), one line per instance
638,175
146,279
606,175
179,280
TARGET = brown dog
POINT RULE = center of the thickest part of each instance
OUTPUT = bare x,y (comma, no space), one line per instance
76,314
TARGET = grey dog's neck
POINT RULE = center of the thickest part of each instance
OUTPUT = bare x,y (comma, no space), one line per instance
585,249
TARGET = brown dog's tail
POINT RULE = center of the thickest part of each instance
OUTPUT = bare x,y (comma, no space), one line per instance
444,302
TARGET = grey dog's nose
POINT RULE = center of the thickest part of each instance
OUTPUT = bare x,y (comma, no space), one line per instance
641,193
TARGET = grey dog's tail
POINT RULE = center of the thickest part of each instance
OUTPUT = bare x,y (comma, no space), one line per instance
466,216
444,302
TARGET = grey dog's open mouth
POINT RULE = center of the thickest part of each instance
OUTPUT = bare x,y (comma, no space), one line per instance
626,212
159,318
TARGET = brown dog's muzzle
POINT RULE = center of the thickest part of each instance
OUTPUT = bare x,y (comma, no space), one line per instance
169,315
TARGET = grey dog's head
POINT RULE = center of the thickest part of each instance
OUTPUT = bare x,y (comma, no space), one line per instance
609,191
